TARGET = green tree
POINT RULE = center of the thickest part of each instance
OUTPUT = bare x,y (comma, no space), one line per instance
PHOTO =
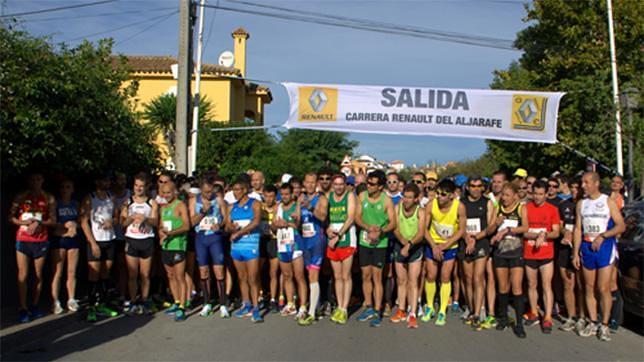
63,109
160,115
482,166
566,48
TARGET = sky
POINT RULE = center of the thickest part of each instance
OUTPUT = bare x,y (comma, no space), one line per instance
284,50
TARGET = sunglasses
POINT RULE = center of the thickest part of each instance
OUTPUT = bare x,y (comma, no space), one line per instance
429,189
553,185
325,178
418,182
524,188
392,182
443,193
372,184
476,186
432,179
338,184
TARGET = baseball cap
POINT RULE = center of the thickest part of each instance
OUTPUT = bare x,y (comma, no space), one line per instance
286,178
431,175
520,172
351,180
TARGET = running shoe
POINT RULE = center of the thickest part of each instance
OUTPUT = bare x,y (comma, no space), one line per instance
604,333
288,309
613,325
387,311
35,313
367,314
206,310
441,319
546,326
519,331
334,316
128,308
343,317
149,307
172,309
281,302
501,324
257,316
274,307
590,330
375,321
411,322
23,316
223,312
428,314
466,314
58,309
398,317
301,314
455,307
477,325
568,325
580,325
245,311
72,305
180,315
531,319
489,322
91,314
103,310
306,321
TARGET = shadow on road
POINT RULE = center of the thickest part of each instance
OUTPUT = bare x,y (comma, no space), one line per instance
59,337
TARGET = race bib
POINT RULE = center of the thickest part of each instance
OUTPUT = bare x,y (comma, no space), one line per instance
167,225
285,239
473,226
336,226
444,231
242,223
509,224
365,237
593,226
535,231
31,215
569,227
207,222
308,230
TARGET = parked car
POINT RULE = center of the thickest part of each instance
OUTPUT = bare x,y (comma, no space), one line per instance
631,259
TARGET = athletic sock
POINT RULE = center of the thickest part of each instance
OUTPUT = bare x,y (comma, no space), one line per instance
103,294
93,291
430,293
445,291
519,307
314,297
389,290
205,287
502,301
221,288
616,306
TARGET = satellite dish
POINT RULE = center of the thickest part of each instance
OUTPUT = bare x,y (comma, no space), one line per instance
226,59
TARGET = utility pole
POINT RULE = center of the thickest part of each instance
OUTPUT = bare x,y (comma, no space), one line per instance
613,66
192,164
183,86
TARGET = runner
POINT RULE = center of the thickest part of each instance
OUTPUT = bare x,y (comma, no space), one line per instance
564,261
286,226
393,180
539,253
243,223
617,191
480,212
553,191
207,215
446,223
342,244
324,181
268,244
257,184
314,209
32,211
617,195
408,253
173,237
139,216
598,223
98,216
376,217
121,196
530,181
64,247
510,223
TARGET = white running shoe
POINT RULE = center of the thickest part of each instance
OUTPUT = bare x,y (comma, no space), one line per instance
206,310
72,305
223,312
58,309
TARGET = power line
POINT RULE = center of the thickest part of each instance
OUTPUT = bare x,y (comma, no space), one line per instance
57,9
100,15
139,22
373,28
212,21
146,28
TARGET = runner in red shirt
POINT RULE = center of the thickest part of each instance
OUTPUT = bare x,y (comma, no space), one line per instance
539,253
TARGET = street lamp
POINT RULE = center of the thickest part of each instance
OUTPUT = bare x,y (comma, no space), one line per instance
629,99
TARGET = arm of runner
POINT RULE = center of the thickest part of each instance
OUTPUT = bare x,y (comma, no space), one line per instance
421,227
182,210
577,237
257,219
223,211
389,208
358,217
50,221
195,217
124,218
556,227
619,227
462,227
13,213
351,209
524,223
153,219
397,232
321,208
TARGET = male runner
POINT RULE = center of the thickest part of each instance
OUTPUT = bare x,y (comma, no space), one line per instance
375,215
408,253
139,217
598,223
268,243
539,253
342,244
567,214
446,224
393,181
32,211
98,216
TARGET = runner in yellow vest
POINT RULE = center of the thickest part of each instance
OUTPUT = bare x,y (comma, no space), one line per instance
446,223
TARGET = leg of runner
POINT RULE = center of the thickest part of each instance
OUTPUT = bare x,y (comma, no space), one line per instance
145,267
376,276
189,279
220,276
57,263
286,269
430,289
467,268
580,297
39,263
182,287
206,289
478,290
72,264
93,271
348,287
302,292
532,275
503,283
338,284
255,284
590,276
568,279
314,296
274,279
402,288
242,277
490,292
367,290
390,285
446,274
516,276
547,271
456,286
604,290
133,279
413,272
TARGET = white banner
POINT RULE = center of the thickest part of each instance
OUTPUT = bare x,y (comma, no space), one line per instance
476,113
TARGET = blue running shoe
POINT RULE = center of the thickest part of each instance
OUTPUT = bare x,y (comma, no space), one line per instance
245,311
257,316
367,314
35,313
172,310
375,321
456,307
179,315
23,316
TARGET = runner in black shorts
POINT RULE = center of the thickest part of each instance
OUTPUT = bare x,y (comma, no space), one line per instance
567,213
268,243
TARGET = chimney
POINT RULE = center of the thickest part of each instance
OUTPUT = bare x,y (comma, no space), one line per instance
239,49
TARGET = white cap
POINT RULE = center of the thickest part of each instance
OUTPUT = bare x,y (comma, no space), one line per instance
286,178
195,190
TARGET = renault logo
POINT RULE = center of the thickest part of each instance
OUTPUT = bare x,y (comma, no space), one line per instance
318,100
527,111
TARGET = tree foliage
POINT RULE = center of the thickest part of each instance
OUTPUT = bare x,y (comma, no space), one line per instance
566,48
63,109
483,166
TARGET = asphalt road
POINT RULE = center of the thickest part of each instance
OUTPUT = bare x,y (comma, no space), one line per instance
158,337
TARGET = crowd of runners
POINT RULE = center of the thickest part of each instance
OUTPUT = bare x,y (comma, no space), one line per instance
374,247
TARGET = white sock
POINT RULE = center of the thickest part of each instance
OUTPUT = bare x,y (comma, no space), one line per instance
315,296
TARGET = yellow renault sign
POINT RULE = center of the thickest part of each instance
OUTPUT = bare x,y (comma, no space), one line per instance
318,104
528,112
